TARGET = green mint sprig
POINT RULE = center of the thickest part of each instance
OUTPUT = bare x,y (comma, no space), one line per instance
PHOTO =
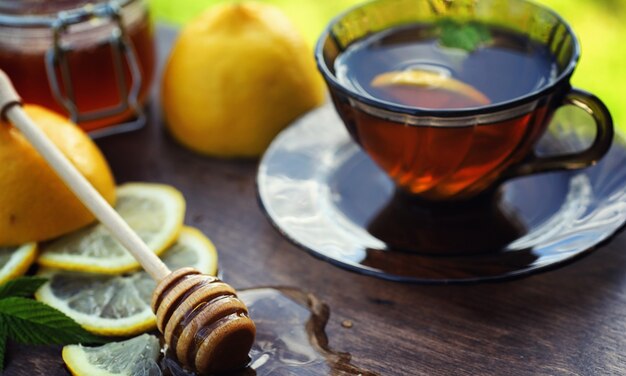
30,322
466,36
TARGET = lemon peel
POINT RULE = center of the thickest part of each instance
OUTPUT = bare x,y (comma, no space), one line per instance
35,205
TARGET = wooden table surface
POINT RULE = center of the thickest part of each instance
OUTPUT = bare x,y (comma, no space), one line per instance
571,321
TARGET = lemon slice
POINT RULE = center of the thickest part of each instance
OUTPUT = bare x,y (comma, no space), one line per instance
133,357
15,261
430,80
154,211
120,305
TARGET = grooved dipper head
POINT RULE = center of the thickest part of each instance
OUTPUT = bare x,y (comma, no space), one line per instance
203,321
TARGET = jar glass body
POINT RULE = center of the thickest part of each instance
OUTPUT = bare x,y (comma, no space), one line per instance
92,61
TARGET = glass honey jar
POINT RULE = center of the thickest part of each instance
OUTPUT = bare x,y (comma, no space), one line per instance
92,60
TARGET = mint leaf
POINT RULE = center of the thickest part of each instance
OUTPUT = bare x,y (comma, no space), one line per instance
28,321
21,286
467,36
31,322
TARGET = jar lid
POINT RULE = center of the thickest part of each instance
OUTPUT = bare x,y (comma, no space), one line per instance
44,12
34,26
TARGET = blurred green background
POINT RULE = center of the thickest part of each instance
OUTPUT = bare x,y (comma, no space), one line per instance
600,25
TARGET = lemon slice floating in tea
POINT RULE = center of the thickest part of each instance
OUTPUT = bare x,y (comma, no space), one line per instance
15,261
154,211
136,356
430,80
120,305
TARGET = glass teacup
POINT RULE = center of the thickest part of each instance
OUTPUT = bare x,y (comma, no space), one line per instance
458,148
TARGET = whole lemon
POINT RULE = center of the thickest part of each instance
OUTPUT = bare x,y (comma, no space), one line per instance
35,205
237,75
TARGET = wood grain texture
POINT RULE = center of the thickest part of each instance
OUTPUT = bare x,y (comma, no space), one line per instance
571,321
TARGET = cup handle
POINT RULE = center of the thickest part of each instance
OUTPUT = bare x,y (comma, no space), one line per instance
574,161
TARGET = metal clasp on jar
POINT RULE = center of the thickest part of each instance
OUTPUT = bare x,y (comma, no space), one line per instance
122,51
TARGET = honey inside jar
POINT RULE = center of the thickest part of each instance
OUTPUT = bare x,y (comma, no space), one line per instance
86,44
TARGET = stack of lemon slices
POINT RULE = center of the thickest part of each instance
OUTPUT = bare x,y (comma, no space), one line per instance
96,282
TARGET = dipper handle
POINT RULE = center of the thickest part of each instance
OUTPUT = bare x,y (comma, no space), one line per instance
11,109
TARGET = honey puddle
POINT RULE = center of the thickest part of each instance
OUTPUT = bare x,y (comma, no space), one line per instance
290,337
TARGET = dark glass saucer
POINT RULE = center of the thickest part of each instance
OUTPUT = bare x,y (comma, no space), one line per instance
325,195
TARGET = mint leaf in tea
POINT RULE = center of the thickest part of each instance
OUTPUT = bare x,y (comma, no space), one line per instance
446,66
466,36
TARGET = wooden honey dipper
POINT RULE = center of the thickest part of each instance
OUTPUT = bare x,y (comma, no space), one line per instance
201,318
